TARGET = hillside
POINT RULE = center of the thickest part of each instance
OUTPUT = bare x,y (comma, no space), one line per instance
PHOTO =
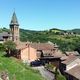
76,31
64,38
17,70
67,40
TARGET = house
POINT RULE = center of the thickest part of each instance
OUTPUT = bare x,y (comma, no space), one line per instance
33,51
5,36
14,31
70,62
68,65
27,51
73,73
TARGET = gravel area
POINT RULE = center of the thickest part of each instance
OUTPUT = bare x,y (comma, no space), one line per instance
45,73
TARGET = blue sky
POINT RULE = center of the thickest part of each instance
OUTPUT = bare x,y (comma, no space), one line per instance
41,14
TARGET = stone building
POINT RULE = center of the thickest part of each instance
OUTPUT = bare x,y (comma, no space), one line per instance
33,51
14,28
5,36
29,51
14,31
70,67
73,73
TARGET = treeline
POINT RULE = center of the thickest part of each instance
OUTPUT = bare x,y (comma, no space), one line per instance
4,30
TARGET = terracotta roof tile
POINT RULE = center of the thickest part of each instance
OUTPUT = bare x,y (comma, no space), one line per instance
46,47
21,45
42,46
38,46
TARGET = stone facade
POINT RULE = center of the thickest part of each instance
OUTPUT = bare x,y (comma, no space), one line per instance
28,54
14,31
14,28
33,51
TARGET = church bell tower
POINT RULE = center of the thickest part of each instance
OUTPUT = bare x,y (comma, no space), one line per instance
14,28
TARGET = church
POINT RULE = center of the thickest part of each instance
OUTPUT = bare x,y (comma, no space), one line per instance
28,51
14,31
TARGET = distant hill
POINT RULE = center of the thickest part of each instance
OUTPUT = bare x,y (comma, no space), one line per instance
77,31
57,30
43,36
4,30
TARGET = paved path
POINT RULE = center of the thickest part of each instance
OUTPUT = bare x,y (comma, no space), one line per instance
45,73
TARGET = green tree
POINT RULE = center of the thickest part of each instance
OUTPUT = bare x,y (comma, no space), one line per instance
1,47
9,46
58,75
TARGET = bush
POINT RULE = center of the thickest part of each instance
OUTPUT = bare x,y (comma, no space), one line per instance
59,76
50,67
1,47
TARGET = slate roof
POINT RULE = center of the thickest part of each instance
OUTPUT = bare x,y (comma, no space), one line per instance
14,20
4,34
1,38
75,71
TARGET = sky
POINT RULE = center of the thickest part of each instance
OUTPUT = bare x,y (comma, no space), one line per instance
41,14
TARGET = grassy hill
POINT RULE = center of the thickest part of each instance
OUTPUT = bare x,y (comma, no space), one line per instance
17,70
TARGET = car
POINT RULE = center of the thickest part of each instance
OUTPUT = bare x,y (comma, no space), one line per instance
36,63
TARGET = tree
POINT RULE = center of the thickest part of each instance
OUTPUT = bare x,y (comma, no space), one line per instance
58,75
1,47
9,46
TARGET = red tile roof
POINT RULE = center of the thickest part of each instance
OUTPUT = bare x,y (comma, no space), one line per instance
21,45
42,46
38,46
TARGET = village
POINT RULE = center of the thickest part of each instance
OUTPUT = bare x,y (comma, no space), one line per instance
39,54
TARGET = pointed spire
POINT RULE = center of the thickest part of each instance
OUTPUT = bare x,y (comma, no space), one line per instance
14,20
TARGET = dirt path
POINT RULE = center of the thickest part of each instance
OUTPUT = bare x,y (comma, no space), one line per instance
45,73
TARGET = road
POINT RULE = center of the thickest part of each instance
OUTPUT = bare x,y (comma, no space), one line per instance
45,73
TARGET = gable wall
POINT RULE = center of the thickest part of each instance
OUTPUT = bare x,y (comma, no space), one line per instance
28,54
